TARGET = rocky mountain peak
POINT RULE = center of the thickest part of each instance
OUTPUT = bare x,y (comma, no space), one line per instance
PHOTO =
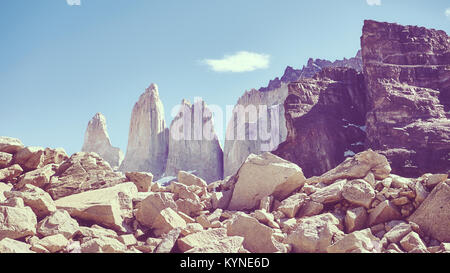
97,140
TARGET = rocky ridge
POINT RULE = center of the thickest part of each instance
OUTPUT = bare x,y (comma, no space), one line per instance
359,206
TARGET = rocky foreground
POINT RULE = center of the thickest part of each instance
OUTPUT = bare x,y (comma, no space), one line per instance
52,203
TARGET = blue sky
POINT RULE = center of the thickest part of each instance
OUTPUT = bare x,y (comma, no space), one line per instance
61,63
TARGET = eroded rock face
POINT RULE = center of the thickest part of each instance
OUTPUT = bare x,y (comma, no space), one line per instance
96,139
407,72
148,137
193,143
324,118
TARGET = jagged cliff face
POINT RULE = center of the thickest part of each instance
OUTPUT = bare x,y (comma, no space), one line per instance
273,96
148,137
313,67
398,106
325,117
407,72
193,143
96,139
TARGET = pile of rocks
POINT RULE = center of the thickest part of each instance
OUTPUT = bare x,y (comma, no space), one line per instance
52,203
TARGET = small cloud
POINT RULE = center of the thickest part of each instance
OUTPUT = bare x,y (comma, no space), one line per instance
242,61
73,2
447,13
373,2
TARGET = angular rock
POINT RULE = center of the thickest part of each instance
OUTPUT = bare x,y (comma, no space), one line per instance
30,158
355,219
193,143
150,207
310,208
3,188
103,245
83,172
435,179
258,238
412,241
8,245
10,173
5,160
314,234
128,239
37,199
148,138
357,242
96,140
54,243
10,145
292,204
221,199
54,156
262,176
384,212
398,232
169,241
189,179
167,220
40,177
329,194
58,222
213,240
17,222
142,180
433,215
106,207
359,192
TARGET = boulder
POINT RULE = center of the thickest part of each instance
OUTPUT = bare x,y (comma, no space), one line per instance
167,220
357,242
221,199
262,176
329,194
292,204
54,243
314,234
359,192
355,219
212,240
58,222
384,212
30,158
37,199
8,174
396,233
8,245
151,206
103,245
433,215
413,241
258,238
3,188
17,222
83,172
168,242
189,179
54,156
5,160
40,177
108,207
10,145
143,180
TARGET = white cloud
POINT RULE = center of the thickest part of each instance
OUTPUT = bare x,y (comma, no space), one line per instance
242,61
73,2
373,2
447,13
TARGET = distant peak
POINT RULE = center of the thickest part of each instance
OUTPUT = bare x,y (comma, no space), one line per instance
153,88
